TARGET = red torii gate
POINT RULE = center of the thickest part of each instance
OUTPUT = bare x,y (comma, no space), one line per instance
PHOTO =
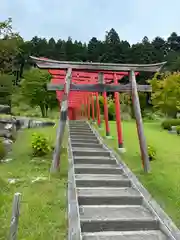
77,99
64,91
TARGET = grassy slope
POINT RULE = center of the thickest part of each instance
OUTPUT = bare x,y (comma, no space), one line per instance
164,180
43,206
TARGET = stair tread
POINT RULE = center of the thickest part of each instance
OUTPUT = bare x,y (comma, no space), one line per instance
85,140
107,166
127,235
108,192
117,213
83,143
105,177
93,157
89,149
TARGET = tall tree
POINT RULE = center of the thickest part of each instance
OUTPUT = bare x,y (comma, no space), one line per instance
166,93
9,46
35,92
94,50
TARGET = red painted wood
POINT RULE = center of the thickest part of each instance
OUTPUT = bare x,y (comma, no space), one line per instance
118,116
98,110
92,105
75,99
106,114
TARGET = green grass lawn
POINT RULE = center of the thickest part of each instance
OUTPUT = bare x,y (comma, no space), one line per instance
43,205
163,182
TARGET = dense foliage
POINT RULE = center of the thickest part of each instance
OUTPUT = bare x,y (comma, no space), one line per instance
34,90
166,93
2,150
40,145
169,123
14,60
111,49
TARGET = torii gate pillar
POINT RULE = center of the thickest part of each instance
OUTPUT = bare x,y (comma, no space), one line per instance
92,103
118,118
101,80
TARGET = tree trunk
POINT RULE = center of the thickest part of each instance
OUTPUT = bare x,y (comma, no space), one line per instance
46,110
42,110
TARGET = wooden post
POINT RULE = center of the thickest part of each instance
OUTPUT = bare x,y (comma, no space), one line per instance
92,103
61,124
101,80
118,118
85,106
98,114
139,123
15,217
89,107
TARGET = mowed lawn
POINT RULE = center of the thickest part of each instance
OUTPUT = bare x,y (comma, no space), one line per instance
163,182
43,205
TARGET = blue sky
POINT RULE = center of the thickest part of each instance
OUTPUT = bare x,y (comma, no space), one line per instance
83,19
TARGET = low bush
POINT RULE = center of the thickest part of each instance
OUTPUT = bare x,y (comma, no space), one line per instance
151,153
167,124
40,145
178,130
2,150
111,110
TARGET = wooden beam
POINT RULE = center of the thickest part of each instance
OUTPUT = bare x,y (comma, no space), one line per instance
52,64
99,87
139,123
61,124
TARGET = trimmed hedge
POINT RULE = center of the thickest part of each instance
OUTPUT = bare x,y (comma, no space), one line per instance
167,124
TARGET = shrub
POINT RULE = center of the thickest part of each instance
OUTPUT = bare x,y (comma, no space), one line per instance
150,115
151,153
101,104
2,150
167,124
178,130
40,145
111,110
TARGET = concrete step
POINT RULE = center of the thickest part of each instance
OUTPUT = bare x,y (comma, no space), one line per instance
86,145
116,218
95,160
79,126
109,196
83,135
88,131
85,140
89,158
77,136
81,132
90,152
97,170
127,235
73,129
105,181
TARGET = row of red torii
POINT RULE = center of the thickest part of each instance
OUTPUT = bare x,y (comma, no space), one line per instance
77,83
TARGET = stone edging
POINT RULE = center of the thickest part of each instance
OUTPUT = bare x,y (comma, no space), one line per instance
74,228
167,225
